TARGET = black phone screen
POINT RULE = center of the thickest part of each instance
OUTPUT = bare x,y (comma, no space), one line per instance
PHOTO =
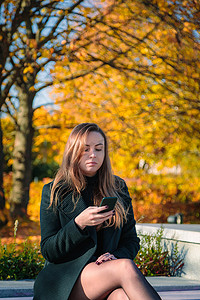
110,202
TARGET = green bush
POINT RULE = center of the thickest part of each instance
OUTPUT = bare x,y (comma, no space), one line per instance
26,262
155,258
20,264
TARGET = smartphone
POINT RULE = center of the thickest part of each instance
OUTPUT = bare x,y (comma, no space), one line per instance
110,202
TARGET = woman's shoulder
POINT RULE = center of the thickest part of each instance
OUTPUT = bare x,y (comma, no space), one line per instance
122,189
60,188
48,186
119,182
60,191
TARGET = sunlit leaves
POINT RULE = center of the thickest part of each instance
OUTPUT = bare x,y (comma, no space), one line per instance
134,71
146,99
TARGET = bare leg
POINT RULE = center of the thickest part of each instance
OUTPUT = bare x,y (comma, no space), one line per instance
118,294
97,282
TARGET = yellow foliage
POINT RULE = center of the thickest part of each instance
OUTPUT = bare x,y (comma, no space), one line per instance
33,209
28,69
32,89
25,78
146,99
144,50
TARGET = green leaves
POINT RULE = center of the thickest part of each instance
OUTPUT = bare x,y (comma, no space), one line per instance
155,258
20,264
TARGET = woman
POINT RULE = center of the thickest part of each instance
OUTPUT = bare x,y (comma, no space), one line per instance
89,252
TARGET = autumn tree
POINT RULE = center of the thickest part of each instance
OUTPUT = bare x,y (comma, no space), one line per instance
10,20
129,62
36,42
47,33
151,91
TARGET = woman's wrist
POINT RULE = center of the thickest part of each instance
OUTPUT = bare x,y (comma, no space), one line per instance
77,221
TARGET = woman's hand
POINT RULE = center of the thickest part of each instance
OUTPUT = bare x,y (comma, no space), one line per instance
92,216
105,257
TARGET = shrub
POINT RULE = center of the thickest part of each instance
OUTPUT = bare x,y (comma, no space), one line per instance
155,258
18,263
26,261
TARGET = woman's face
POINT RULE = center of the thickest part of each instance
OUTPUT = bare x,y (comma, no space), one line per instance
93,154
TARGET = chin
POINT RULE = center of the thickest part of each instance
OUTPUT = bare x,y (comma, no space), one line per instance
90,174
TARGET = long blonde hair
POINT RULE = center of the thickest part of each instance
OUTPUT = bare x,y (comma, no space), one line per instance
69,174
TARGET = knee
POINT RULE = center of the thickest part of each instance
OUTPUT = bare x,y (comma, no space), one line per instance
128,269
118,294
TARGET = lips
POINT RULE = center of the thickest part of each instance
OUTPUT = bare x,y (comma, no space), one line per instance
92,163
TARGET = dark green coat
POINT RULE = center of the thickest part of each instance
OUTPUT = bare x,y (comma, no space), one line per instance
68,249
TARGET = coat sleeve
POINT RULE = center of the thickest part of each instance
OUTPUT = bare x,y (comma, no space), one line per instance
58,243
129,242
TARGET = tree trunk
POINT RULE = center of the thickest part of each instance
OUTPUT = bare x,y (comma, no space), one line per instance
3,216
22,156
2,197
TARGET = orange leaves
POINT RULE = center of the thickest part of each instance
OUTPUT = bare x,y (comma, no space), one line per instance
8,139
33,209
135,72
51,133
155,197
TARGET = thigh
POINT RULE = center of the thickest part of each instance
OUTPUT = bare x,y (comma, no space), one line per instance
96,282
118,294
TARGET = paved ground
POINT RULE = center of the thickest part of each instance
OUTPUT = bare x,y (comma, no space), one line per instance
169,288
18,298
180,295
169,295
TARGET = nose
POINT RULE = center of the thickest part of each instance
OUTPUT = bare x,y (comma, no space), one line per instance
92,153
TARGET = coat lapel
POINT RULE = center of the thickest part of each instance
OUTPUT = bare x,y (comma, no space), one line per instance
66,207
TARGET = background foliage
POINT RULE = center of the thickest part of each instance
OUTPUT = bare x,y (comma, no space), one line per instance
154,197
130,66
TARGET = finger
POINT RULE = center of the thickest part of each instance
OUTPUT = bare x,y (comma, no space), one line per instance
113,257
98,262
100,211
105,254
96,209
101,208
101,217
97,218
104,257
106,214
100,220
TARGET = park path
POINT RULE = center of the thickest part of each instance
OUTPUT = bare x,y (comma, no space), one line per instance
168,295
